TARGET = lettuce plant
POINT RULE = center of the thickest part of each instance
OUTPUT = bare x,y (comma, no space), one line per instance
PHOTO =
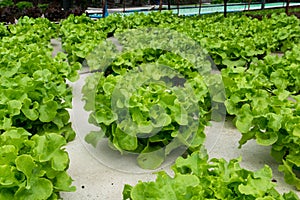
265,102
34,121
165,106
197,177
33,167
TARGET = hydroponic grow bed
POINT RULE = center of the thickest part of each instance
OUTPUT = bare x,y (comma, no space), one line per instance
35,123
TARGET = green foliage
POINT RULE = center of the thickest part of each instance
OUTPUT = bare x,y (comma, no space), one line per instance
265,100
5,3
34,91
34,27
24,4
154,114
238,40
43,6
235,40
76,42
32,167
34,121
196,177
3,30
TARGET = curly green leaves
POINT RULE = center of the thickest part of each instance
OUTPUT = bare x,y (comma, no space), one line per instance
197,177
152,93
33,168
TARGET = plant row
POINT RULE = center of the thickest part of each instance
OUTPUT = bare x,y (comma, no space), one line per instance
265,100
236,40
34,120
198,177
